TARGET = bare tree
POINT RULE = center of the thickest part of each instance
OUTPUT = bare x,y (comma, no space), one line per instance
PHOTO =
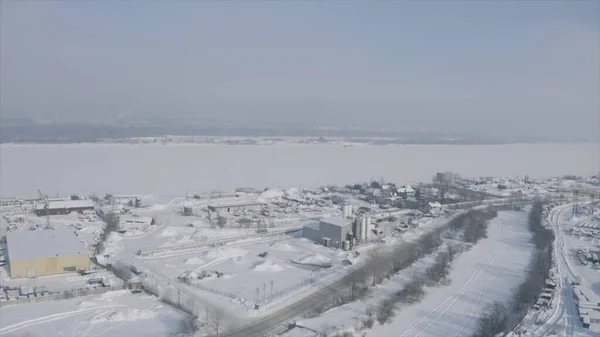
221,221
492,321
379,265
216,321
188,325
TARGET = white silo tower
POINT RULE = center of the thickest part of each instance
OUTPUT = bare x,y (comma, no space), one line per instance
367,227
363,228
345,211
349,211
358,229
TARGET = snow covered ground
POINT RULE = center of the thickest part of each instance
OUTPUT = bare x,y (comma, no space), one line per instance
485,273
243,271
117,313
175,169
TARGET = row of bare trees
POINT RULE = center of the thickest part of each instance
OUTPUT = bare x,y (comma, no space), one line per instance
499,317
214,321
382,263
111,220
475,221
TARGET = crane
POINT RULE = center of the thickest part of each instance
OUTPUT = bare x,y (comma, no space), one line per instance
46,207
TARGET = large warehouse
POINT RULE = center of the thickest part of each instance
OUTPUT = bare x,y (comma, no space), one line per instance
45,252
330,231
64,207
232,206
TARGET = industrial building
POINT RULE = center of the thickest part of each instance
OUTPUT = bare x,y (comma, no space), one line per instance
331,231
130,222
237,205
435,208
3,228
45,252
64,207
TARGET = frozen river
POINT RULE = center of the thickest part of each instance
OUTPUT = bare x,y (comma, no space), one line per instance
175,169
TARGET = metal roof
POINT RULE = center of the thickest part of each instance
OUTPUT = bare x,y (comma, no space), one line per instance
338,222
313,225
67,204
43,243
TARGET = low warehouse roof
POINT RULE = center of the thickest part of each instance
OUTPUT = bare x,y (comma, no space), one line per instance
338,222
67,204
43,243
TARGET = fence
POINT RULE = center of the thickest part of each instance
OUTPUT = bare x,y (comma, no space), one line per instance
265,294
63,295
216,242
171,295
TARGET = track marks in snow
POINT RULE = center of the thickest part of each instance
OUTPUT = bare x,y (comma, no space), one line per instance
50,318
438,312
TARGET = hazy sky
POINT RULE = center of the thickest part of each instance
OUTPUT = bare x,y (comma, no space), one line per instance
501,68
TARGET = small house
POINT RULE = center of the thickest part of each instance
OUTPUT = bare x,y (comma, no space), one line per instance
435,208
132,222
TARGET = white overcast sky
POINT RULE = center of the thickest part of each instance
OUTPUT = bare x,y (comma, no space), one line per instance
490,68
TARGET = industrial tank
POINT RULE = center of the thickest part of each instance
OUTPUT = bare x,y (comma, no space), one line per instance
358,229
363,229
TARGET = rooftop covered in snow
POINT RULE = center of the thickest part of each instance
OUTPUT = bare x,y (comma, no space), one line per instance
235,203
334,221
67,204
43,243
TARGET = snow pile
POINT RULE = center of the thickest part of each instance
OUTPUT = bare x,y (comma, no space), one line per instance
86,304
389,240
194,276
224,252
194,260
112,244
271,194
292,192
283,246
314,259
239,259
114,238
267,266
103,261
111,294
168,232
125,315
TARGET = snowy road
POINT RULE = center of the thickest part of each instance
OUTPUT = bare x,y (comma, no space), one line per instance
564,316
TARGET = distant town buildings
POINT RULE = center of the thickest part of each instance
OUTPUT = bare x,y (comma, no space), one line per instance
227,207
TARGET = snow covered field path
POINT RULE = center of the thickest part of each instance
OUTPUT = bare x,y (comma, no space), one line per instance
480,276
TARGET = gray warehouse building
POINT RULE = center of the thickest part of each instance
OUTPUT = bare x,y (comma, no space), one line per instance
330,231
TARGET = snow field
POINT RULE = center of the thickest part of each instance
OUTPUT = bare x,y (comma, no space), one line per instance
487,272
286,164
117,313
243,271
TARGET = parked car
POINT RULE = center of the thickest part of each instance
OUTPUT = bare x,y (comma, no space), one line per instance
263,254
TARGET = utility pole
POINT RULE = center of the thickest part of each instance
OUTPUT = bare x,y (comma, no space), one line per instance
257,291
271,289
264,292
